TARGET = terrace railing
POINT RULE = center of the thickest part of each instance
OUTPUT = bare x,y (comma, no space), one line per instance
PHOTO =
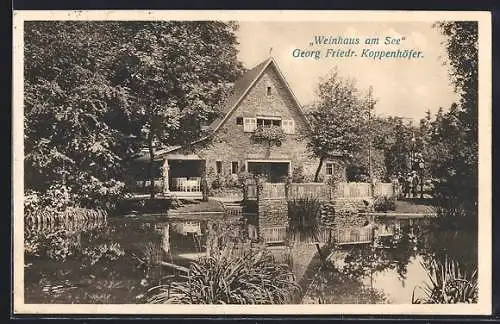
184,184
384,189
353,235
307,190
273,191
320,191
352,190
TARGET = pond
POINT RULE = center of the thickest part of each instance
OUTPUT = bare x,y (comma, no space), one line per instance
391,269
119,262
115,263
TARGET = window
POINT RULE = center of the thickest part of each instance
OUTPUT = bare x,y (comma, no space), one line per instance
218,167
268,122
249,124
268,91
329,168
234,167
239,120
289,126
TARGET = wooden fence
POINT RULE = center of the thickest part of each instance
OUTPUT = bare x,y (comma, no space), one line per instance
320,191
273,191
310,190
352,190
384,189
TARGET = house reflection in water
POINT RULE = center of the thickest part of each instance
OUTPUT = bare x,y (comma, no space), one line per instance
183,240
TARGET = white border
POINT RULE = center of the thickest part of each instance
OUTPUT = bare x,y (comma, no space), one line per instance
483,307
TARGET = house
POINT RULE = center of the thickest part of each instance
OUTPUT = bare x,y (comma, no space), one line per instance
260,99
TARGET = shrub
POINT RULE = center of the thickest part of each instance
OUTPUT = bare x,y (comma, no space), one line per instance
384,204
448,284
298,175
218,182
251,278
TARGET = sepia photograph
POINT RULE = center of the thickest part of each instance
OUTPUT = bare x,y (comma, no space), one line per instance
230,159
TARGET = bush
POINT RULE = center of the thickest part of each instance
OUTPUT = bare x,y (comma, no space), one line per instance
384,204
218,182
251,278
448,284
298,175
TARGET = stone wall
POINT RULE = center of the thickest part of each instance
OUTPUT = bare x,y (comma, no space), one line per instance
337,214
347,212
272,213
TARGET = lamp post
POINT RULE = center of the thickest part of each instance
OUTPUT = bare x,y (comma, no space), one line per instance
412,151
421,166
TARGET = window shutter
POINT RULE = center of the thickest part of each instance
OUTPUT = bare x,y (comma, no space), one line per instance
249,124
288,126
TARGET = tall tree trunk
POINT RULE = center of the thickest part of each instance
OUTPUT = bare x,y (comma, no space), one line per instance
318,170
150,167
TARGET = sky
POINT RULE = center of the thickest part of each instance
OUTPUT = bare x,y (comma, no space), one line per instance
405,88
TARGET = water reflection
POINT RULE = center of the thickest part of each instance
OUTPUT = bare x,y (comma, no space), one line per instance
115,263
395,268
119,261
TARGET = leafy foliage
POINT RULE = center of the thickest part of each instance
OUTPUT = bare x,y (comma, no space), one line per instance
448,283
96,92
456,132
337,119
251,278
69,108
63,245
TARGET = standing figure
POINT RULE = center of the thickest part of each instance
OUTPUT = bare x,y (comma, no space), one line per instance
415,182
409,184
401,182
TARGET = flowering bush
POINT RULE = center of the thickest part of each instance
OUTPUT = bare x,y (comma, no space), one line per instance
271,135
57,198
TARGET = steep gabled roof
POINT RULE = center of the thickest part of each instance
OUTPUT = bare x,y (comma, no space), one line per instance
240,88
243,86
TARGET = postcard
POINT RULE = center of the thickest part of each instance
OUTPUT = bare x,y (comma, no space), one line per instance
251,162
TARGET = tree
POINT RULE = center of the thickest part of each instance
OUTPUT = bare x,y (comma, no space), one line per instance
337,119
95,92
460,125
178,72
72,141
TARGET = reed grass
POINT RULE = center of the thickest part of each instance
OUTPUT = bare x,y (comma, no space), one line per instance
250,278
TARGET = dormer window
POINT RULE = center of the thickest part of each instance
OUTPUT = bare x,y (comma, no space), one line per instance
269,91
